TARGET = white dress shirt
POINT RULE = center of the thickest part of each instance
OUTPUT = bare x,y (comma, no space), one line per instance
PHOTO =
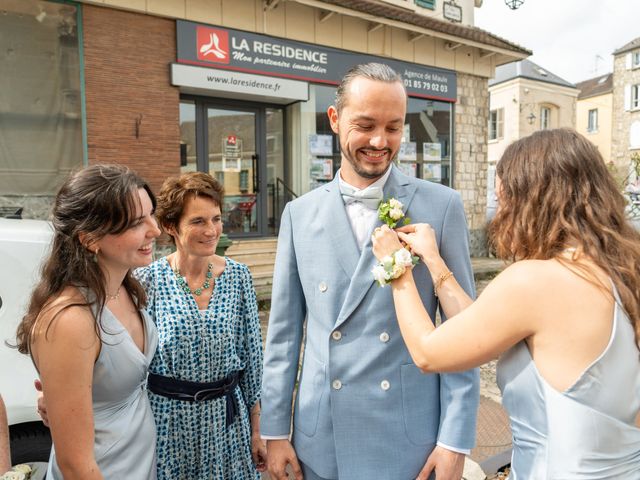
362,218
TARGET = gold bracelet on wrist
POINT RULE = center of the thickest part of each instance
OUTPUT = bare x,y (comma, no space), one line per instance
441,279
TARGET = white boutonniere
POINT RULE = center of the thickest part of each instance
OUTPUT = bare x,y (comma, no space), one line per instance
390,212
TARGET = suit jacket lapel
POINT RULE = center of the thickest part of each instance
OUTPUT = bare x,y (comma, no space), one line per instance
334,217
398,187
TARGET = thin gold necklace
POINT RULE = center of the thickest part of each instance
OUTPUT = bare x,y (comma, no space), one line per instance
115,296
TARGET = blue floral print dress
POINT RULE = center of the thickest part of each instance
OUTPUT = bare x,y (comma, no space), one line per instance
204,346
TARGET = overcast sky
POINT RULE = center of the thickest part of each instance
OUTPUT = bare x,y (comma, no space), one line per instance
566,36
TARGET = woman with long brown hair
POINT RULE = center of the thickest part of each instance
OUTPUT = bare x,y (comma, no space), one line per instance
564,316
86,331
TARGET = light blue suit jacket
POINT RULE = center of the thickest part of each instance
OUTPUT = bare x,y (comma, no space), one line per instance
363,410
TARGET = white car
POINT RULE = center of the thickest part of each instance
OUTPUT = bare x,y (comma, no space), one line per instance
23,246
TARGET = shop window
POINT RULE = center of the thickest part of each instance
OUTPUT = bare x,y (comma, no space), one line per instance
188,136
496,124
545,118
593,121
322,144
40,96
426,149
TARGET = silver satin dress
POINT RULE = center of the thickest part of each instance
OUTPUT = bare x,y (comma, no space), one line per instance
125,432
588,431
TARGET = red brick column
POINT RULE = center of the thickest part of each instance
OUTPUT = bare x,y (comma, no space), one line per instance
132,109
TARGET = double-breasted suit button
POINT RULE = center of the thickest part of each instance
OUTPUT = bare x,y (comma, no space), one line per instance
384,337
336,335
385,385
336,384
322,286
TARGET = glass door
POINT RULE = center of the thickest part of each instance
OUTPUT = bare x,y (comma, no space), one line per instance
243,146
233,158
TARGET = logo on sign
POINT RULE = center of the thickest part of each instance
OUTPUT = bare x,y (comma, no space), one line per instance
232,140
213,45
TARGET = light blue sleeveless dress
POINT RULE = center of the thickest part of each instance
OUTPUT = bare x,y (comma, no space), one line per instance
125,432
588,431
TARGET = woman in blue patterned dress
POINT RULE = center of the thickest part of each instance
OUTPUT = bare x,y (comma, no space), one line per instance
204,381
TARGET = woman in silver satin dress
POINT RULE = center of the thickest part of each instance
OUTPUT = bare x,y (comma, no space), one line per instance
564,316
87,333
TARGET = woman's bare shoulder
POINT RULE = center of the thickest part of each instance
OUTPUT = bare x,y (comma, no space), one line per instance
67,314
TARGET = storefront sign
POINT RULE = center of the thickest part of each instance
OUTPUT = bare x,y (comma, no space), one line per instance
260,87
231,147
235,50
452,12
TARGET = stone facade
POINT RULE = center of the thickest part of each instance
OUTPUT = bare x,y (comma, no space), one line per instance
470,153
623,117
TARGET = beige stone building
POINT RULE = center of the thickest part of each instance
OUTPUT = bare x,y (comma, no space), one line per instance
523,98
238,88
594,112
626,105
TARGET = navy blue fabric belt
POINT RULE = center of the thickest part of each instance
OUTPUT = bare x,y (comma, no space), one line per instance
198,392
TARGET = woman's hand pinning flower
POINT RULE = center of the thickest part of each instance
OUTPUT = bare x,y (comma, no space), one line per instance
394,258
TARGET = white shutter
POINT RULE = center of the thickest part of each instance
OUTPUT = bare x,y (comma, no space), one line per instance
628,60
627,97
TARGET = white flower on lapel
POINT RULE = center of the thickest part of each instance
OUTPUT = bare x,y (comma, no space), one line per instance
390,212
396,213
393,203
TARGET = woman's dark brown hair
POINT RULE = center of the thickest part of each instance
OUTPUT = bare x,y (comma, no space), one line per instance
176,190
556,192
95,201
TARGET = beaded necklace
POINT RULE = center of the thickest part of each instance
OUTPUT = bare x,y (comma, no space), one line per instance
182,281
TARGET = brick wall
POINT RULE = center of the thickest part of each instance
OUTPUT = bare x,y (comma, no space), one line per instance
126,64
471,117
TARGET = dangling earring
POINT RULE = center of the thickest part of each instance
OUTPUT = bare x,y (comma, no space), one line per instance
95,254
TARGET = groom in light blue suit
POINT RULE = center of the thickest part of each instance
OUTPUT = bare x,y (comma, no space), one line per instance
362,409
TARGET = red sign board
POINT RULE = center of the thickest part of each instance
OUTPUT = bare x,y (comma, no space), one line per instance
213,44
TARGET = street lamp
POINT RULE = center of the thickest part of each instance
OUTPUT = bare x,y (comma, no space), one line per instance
531,118
514,4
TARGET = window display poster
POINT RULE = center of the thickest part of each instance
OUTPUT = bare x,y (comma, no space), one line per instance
432,152
232,147
408,151
321,168
321,145
231,164
432,171
409,169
